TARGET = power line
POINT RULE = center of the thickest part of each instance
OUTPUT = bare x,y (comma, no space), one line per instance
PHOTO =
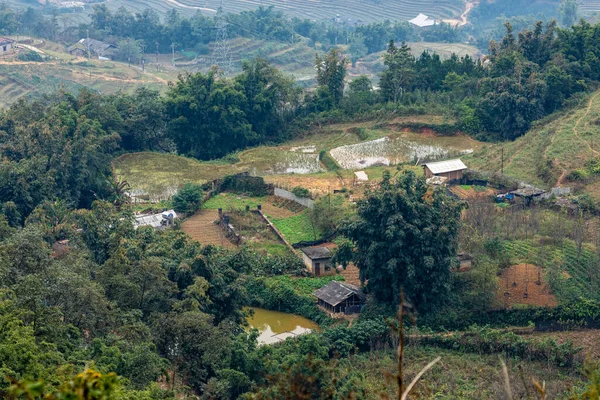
222,49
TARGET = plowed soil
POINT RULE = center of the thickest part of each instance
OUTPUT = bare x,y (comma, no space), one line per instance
202,228
521,284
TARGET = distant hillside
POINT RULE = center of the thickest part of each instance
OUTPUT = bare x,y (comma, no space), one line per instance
548,153
364,10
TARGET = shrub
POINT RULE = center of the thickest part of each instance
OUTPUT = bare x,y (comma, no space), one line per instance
30,56
301,192
188,199
578,175
250,185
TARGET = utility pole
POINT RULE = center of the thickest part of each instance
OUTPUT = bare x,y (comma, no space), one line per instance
173,51
128,53
156,56
502,166
87,42
143,57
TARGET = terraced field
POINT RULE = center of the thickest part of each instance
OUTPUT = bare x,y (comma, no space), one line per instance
33,79
367,11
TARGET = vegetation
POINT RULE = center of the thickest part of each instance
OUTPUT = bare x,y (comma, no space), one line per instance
188,199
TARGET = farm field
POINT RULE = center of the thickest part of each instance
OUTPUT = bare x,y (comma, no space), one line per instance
524,284
565,141
202,228
289,218
291,164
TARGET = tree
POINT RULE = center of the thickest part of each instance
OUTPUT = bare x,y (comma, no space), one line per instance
405,239
358,49
399,73
188,199
129,50
331,73
326,214
568,12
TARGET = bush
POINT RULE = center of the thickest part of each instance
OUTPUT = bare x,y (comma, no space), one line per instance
30,56
578,175
250,185
328,161
299,191
188,199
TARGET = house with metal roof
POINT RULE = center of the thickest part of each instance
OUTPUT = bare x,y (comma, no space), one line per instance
157,221
452,170
6,46
340,297
422,21
318,260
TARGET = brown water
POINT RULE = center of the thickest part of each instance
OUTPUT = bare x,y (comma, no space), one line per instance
275,326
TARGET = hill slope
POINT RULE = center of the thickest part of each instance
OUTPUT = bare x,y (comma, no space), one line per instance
549,151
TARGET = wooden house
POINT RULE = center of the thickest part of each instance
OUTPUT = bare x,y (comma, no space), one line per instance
340,297
318,260
452,170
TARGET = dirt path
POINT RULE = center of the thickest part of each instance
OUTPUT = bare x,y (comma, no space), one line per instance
587,111
463,18
191,7
202,228
560,180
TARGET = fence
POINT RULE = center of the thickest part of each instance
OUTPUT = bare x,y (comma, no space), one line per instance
291,196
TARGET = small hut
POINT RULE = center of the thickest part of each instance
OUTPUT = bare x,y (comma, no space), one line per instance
318,260
452,170
340,297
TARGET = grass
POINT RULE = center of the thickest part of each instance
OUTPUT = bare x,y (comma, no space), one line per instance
297,228
303,286
232,201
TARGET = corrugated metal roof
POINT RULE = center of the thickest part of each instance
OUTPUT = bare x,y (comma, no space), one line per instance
336,292
4,40
315,253
422,21
154,220
442,167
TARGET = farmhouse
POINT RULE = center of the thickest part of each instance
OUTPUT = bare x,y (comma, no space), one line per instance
318,260
422,21
340,297
6,46
96,47
158,221
450,169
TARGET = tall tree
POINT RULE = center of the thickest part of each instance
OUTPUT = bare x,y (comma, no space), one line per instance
331,73
405,239
399,74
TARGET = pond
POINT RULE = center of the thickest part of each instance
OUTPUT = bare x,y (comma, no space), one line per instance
275,326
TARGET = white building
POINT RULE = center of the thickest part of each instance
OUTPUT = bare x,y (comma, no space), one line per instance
422,21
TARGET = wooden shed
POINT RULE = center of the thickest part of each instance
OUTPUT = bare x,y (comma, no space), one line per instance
340,297
318,260
452,170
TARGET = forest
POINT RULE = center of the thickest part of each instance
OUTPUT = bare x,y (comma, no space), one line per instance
87,301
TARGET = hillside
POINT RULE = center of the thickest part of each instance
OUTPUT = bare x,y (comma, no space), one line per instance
20,79
31,79
551,150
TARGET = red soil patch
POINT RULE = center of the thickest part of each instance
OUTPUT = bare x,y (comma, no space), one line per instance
524,284
202,228
471,194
